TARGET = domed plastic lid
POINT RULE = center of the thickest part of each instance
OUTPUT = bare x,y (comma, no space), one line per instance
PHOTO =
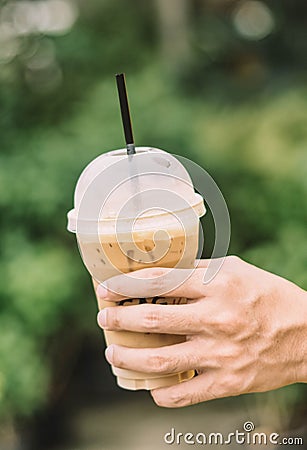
115,186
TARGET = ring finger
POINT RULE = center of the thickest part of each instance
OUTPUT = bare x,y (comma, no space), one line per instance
163,360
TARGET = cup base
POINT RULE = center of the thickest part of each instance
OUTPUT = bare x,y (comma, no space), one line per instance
154,383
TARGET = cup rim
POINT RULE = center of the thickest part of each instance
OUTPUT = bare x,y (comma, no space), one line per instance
199,208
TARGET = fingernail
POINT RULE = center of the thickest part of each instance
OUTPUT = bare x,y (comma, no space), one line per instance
102,292
109,353
102,318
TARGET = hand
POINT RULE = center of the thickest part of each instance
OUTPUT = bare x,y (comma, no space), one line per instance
246,331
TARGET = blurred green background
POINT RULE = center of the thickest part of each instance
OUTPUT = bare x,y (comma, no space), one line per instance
222,82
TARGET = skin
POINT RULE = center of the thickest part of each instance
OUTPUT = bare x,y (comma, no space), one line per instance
246,330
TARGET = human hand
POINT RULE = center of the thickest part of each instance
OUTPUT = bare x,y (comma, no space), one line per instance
246,330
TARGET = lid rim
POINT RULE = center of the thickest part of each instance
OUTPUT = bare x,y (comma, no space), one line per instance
72,217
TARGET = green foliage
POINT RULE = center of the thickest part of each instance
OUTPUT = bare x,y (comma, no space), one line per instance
254,149
24,372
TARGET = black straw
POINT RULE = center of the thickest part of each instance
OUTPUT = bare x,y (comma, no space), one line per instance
124,108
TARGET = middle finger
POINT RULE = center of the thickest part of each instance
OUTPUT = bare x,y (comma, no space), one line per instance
147,318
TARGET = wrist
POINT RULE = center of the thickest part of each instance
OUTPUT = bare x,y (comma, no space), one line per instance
299,343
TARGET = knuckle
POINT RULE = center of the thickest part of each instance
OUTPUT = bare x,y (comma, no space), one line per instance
176,398
180,398
158,363
230,328
152,319
156,272
222,281
227,323
230,282
229,355
173,399
158,280
157,286
233,259
230,385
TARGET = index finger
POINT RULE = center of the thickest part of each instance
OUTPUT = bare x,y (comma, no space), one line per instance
146,283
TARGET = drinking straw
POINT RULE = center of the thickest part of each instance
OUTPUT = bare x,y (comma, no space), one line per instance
124,108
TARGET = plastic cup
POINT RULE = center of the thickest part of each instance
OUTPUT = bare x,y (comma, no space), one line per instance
132,213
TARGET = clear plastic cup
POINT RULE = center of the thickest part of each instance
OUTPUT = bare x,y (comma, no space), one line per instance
132,213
